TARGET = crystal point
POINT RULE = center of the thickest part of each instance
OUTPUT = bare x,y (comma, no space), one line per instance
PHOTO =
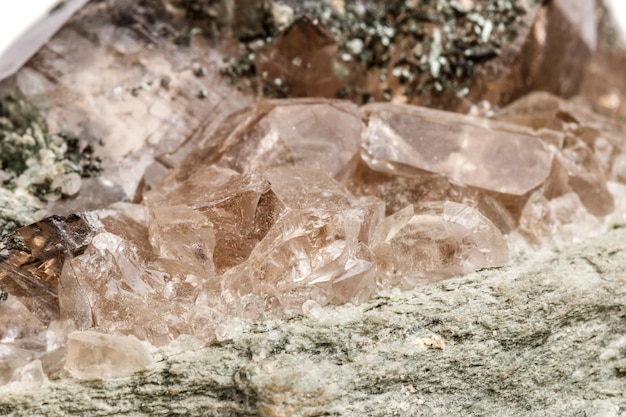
302,61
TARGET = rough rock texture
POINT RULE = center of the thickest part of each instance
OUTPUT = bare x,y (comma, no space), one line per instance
545,336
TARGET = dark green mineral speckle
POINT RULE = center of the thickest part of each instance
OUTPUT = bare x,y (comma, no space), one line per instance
417,47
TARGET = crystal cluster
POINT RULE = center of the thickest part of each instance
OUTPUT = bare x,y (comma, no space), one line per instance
294,204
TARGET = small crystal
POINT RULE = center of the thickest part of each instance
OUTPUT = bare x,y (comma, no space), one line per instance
436,240
303,57
32,274
93,355
30,375
119,282
222,217
587,148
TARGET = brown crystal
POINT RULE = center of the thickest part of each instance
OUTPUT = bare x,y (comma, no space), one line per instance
303,60
315,251
418,155
227,243
587,148
223,216
31,270
554,43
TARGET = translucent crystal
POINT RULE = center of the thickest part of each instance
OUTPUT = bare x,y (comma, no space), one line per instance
93,355
414,154
561,219
413,186
317,133
316,250
30,375
430,241
119,282
31,270
24,339
466,150
223,215
223,243
587,148
578,170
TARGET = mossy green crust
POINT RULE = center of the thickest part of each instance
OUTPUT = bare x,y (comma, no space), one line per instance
36,166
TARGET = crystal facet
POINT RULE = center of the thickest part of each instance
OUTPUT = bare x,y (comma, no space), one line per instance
466,150
436,240
92,355
303,59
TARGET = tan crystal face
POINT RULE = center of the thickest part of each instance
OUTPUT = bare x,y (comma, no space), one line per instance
306,132
454,146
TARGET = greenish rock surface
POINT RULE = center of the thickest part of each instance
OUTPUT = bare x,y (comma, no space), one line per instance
36,166
545,336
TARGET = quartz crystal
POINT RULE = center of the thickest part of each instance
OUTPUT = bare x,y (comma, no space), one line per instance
92,355
588,151
435,240
31,272
413,154
458,147
324,134
316,250
303,59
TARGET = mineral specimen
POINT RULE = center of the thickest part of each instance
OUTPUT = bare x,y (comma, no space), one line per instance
284,207
287,205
